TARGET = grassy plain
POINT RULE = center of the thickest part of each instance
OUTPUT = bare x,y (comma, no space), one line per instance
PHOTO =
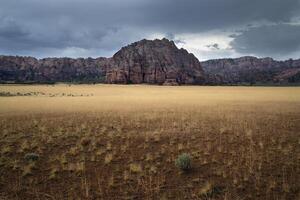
121,142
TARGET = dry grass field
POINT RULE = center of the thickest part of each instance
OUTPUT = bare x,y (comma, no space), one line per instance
121,142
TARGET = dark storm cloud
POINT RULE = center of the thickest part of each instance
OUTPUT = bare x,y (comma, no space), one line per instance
17,35
10,29
274,40
200,15
37,26
213,46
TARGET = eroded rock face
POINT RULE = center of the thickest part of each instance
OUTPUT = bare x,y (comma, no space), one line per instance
28,69
146,61
154,62
251,70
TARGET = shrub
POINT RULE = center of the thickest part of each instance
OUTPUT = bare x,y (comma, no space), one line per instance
85,142
135,168
31,157
183,162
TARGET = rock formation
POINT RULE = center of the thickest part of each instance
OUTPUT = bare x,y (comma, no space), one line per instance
146,61
28,69
151,62
251,70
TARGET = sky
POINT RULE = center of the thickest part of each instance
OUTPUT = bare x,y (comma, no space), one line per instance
209,29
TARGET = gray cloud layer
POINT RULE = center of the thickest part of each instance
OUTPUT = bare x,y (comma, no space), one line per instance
275,40
99,27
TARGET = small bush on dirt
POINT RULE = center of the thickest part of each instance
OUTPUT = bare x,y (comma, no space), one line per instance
183,162
85,142
31,157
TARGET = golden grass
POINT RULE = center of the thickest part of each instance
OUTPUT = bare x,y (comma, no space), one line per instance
121,142
137,97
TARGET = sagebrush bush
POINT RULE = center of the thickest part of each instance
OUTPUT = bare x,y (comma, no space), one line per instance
31,157
183,162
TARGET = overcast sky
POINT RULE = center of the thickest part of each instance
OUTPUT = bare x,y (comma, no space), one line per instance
208,28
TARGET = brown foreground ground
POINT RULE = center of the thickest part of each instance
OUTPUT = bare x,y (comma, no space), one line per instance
120,142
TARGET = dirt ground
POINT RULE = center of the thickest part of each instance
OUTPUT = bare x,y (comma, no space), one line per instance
121,142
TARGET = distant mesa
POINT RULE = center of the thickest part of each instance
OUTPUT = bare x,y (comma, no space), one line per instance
150,62
251,71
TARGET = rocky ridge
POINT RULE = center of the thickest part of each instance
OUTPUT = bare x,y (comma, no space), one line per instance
150,62
146,61
251,70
